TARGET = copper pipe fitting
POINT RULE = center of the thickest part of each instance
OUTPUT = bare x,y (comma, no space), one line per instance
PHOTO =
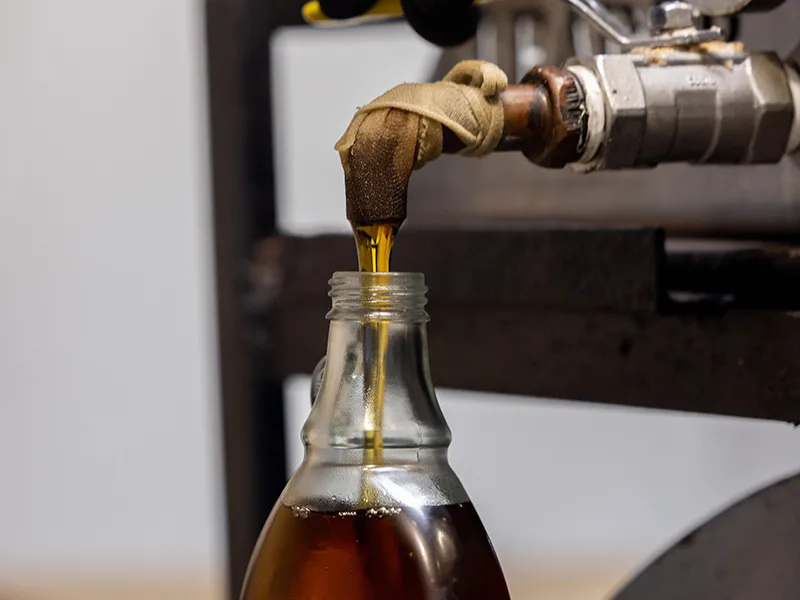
543,119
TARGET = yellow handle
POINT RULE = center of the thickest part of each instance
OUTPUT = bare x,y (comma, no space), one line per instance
381,11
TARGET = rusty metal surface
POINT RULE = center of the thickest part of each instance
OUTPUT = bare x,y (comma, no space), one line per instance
749,551
566,133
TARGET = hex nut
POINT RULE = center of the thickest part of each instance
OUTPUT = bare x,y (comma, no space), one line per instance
668,16
774,112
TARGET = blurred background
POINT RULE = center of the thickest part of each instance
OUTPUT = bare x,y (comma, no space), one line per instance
111,477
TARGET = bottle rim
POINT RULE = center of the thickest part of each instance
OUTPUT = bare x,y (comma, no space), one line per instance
392,296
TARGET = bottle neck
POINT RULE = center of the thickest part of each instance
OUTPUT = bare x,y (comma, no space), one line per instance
376,437
376,392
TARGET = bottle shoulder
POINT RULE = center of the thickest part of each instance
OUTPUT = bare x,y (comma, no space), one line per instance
334,480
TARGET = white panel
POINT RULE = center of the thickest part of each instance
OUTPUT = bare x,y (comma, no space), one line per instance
108,407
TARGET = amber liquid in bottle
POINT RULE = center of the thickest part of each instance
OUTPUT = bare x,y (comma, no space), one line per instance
428,553
383,553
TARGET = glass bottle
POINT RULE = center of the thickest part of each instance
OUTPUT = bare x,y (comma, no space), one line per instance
375,512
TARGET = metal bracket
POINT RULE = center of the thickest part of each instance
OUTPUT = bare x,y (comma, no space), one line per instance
608,25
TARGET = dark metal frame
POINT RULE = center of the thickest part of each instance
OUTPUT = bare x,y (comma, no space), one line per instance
238,34
585,314
599,315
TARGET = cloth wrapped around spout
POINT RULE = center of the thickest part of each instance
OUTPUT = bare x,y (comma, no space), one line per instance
402,130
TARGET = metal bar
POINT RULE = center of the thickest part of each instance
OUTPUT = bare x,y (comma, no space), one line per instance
741,275
752,202
571,314
243,206
602,19
566,269
740,363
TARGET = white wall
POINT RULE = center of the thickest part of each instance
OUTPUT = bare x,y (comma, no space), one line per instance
108,408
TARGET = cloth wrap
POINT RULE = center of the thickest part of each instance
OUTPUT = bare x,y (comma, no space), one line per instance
402,130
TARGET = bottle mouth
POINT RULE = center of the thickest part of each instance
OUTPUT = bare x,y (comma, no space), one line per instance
360,296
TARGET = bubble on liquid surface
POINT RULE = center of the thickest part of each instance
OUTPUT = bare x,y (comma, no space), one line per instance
301,512
384,511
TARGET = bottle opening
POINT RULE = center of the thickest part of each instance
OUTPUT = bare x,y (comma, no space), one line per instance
397,297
